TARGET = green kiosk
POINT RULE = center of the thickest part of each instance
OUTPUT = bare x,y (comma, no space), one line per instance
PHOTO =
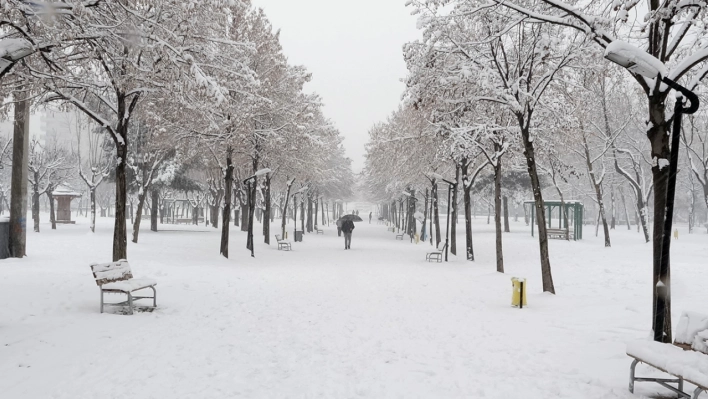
575,218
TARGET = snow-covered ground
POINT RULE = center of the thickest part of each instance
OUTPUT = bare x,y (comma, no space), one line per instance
376,321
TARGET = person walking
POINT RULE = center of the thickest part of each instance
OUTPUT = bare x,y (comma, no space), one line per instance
347,228
370,217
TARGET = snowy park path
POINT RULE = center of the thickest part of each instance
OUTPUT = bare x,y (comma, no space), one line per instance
376,321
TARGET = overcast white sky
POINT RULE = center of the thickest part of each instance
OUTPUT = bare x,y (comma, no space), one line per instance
354,51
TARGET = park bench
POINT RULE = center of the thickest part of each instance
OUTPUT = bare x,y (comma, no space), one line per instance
392,229
686,359
400,236
436,255
282,244
116,278
557,233
319,231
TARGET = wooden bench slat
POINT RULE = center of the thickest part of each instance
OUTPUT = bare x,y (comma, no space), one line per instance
111,272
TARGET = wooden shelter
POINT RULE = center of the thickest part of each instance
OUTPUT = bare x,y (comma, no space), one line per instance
63,194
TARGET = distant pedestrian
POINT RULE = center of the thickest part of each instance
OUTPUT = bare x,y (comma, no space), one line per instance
370,213
339,228
347,228
676,234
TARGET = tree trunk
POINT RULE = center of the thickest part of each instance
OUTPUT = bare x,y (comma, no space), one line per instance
411,215
226,214
309,214
529,153
659,138
453,224
215,213
626,213
324,213
598,190
155,208
120,238
425,217
498,212
612,211
691,210
467,199
505,205
317,208
18,184
244,212
285,210
139,214
52,217
35,206
93,209
436,214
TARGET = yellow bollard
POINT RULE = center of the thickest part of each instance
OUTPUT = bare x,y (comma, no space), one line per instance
518,291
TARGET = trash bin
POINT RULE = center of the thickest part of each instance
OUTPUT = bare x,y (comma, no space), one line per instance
298,235
4,237
518,292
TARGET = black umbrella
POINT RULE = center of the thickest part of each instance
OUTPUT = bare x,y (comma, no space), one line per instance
353,218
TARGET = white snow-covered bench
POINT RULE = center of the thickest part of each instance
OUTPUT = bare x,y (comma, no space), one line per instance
116,278
282,244
563,234
686,359
436,255
400,236
319,231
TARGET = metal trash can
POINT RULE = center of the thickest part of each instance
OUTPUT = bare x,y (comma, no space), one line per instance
298,235
4,237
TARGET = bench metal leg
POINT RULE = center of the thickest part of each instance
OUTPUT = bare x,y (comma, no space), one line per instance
631,375
697,392
154,297
130,302
680,384
101,300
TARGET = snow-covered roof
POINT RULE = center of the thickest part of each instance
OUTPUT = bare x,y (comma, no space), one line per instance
64,190
555,201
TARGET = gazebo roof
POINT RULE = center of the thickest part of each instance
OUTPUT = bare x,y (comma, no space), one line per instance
64,190
555,202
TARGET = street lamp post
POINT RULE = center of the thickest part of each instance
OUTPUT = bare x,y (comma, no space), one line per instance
644,64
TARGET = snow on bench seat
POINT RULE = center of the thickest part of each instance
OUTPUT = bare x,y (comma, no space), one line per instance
690,365
129,285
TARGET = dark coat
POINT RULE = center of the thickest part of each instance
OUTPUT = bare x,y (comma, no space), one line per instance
347,226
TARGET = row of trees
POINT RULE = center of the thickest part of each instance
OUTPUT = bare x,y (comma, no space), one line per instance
503,86
174,91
